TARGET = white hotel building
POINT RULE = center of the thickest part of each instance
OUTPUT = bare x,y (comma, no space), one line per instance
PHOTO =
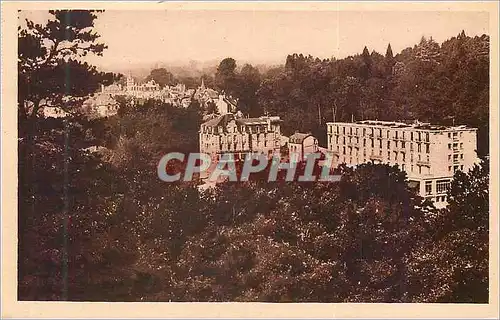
429,154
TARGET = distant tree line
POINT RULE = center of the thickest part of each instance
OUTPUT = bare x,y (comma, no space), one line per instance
442,84
164,78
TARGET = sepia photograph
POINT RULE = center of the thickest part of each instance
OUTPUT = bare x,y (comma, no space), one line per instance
334,155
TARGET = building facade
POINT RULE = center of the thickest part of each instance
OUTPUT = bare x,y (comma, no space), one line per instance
205,95
150,89
54,112
300,145
113,89
177,95
429,154
101,105
226,104
239,136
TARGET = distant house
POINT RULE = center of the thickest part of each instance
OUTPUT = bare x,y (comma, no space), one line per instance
101,105
54,112
114,89
284,141
205,95
135,88
212,94
226,105
147,90
185,101
301,144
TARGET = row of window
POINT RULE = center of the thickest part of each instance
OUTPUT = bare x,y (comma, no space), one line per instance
241,156
244,138
419,168
241,129
440,199
454,135
235,145
456,157
296,148
396,155
455,146
442,186
397,144
136,88
456,168
418,135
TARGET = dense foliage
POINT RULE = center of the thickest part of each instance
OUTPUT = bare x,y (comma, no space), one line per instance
101,226
442,84
51,54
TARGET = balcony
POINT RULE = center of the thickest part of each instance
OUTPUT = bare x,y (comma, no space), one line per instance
423,163
375,157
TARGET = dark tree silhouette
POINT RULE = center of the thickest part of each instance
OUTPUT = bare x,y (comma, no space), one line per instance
50,72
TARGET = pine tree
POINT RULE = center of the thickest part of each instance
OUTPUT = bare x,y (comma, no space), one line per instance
428,50
462,35
366,53
366,69
50,69
388,53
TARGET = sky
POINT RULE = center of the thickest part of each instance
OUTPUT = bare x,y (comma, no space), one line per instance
149,37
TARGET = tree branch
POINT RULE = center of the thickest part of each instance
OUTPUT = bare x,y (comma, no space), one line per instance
52,52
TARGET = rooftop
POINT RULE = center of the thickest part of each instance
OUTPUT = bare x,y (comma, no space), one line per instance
230,100
224,119
298,137
414,124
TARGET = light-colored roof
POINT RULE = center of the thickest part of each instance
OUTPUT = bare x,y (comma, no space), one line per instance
408,124
216,121
224,119
101,99
212,93
251,121
230,101
298,137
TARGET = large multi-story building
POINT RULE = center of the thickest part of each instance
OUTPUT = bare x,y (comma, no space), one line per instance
239,136
150,89
177,95
429,154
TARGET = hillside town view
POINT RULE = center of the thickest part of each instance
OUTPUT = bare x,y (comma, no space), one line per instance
406,131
